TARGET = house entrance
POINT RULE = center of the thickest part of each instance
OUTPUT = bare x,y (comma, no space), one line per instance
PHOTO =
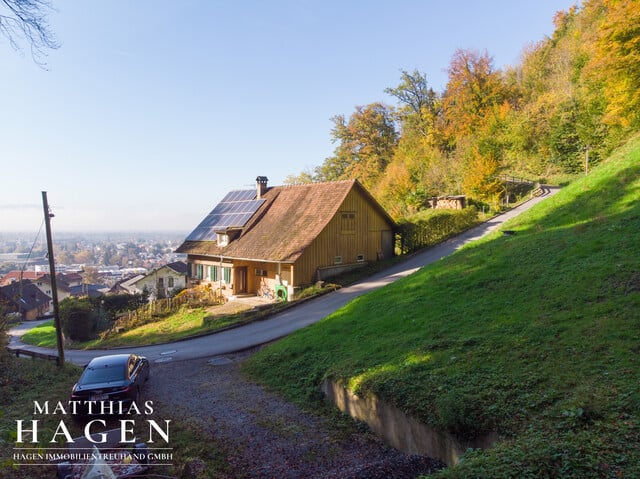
241,280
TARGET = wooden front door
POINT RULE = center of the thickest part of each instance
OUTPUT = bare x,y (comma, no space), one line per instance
241,280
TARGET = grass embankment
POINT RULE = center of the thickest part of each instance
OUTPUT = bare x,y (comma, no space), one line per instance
24,381
534,336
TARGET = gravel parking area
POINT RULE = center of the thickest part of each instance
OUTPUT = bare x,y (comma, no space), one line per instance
267,437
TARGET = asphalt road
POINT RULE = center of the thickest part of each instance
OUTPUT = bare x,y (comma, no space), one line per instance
295,318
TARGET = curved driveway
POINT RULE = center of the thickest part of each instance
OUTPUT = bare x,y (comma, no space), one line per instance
295,318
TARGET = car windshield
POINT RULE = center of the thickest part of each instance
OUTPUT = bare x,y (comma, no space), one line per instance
103,375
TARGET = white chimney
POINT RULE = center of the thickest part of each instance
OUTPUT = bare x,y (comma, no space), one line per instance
261,186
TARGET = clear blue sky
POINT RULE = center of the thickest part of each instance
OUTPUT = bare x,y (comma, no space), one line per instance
152,110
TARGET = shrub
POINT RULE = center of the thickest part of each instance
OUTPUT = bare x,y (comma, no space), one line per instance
113,304
430,227
80,320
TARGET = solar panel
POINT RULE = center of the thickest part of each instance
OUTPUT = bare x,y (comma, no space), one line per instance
235,209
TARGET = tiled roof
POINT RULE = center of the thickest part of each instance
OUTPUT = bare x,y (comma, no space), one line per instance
179,267
27,299
14,276
61,284
289,220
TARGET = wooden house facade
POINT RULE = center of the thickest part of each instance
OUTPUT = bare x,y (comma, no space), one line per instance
288,237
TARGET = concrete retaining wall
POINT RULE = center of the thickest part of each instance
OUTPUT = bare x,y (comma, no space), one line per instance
399,430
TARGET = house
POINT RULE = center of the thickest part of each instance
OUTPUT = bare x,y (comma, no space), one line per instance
72,279
126,285
25,299
42,280
44,284
90,290
16,276
160,282
273,240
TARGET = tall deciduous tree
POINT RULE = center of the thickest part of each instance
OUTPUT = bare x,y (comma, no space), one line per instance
615,59
473,87
365,145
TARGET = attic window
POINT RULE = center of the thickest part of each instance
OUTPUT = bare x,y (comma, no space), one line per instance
348,222
223,239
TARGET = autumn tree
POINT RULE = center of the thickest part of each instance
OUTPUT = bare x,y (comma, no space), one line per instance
575,92
419,105
25,21
307,176
365,145
473,87
615,58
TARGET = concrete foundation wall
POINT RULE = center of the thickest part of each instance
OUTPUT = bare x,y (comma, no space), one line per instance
399,430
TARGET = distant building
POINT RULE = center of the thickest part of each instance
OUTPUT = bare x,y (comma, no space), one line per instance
42,280
25,299
159,283
16,276
87,289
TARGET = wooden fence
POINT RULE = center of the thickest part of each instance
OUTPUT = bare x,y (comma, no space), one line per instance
33,354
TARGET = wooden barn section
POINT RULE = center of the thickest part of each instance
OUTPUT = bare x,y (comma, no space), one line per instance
285,237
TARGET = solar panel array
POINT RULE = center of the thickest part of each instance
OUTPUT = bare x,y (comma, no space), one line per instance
235,209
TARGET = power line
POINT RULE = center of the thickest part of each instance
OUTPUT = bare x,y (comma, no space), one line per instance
29,255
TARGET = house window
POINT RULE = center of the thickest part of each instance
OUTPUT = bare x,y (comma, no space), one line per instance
348,222
160,282
360,258
337,260
226,274
213,273
261,272
199,271
170,282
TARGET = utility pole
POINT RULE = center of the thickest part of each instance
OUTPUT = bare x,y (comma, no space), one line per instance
52,274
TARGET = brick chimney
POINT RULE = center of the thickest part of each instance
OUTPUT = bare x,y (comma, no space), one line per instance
261,186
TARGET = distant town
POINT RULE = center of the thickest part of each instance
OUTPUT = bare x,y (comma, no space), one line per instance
114,254
87,265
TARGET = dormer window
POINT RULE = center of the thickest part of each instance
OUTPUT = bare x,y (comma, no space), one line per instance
223,239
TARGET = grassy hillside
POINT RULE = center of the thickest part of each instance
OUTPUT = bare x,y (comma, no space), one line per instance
535,336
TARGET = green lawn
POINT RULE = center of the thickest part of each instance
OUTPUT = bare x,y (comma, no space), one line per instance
43,335
534,336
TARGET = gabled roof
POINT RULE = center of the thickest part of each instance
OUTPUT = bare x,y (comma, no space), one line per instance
91,290
288,221
61,284
179,267
26,299
15,276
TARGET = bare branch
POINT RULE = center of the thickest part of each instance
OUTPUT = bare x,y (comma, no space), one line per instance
26,21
